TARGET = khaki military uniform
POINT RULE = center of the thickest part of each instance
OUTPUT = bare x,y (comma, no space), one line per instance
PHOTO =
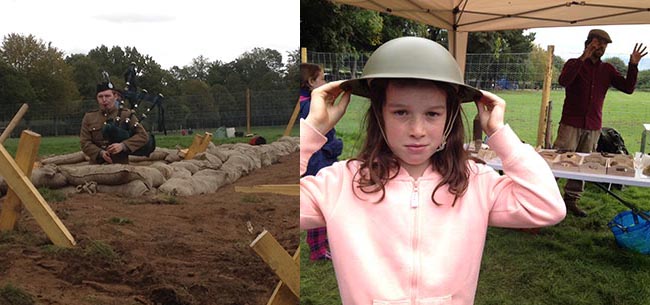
93,142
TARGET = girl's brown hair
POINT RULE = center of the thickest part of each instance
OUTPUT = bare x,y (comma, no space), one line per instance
308,72
378,161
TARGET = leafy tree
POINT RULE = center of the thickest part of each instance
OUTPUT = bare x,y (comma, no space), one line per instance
14,87
329,27
643,80
292,75
85,72
260,69
395,26
43,65
618,63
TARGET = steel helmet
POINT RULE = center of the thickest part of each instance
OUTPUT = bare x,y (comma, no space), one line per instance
412,57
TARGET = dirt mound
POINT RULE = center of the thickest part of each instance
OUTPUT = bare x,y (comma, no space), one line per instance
156,250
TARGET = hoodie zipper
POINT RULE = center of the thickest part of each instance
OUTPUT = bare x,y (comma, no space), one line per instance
415,202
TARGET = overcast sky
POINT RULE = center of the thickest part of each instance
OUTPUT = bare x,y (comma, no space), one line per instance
569,41
171,32
175,32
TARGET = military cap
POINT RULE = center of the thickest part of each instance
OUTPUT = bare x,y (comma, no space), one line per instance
104,86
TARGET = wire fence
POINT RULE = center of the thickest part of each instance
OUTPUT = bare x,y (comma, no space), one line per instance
487,71
505,71
511,72
267,108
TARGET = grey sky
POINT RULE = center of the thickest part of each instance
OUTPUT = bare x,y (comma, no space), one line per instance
171,32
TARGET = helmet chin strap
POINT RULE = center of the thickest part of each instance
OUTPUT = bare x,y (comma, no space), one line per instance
381,129
447,131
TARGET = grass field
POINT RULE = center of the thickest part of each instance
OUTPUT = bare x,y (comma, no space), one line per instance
576,262
69,144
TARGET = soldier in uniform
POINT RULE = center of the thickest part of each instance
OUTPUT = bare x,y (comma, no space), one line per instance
97,143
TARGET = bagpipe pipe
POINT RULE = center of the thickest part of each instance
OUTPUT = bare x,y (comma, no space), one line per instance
119,129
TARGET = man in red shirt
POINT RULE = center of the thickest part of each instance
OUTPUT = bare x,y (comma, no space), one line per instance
586,80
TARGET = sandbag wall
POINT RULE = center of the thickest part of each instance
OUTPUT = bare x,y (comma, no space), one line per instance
164,171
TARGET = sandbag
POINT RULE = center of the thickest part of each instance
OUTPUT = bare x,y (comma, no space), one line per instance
48,176
134,188
180,172
241,162
177,187
152,176
105,174
217,177
214,161
66,159
232,172
218,152
193,168
163,168
156,155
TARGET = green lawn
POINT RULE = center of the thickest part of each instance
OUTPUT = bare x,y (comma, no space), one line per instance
575,262
68,144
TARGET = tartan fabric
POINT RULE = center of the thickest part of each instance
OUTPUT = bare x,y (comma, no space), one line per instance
318,245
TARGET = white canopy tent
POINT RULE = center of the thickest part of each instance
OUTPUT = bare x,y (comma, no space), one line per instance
462,16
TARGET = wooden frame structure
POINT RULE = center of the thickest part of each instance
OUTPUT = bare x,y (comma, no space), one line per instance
287,291
287,268
17,173
199,145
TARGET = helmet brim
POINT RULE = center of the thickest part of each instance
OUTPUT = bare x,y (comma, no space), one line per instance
360,87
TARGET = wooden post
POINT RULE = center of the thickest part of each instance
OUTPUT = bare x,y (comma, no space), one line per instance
283,189
33,201
279,260
546,92
548,137
13,123
248,111
25,157
296,110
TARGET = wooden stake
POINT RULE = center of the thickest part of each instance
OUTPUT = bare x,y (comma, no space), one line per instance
33,201
248,111
279,260
13,123
283,189
25,157
282,295
546,93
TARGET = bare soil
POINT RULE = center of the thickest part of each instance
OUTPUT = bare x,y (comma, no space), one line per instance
156,250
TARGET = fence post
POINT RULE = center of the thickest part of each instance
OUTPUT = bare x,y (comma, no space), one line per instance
296,110
546,92
248,111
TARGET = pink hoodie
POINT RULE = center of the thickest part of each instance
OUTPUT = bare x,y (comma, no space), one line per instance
407,250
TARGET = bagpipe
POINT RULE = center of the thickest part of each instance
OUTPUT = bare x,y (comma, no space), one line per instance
119,129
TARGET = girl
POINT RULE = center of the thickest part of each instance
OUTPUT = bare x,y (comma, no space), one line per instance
311,77
407,218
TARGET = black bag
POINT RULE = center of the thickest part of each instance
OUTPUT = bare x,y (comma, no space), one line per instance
611,141
148,147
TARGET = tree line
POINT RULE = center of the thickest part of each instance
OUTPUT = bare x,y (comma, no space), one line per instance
40,74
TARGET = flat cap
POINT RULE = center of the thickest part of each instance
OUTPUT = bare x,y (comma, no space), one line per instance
599,33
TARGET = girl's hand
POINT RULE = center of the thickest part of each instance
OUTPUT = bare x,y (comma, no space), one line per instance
324,113
491,110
